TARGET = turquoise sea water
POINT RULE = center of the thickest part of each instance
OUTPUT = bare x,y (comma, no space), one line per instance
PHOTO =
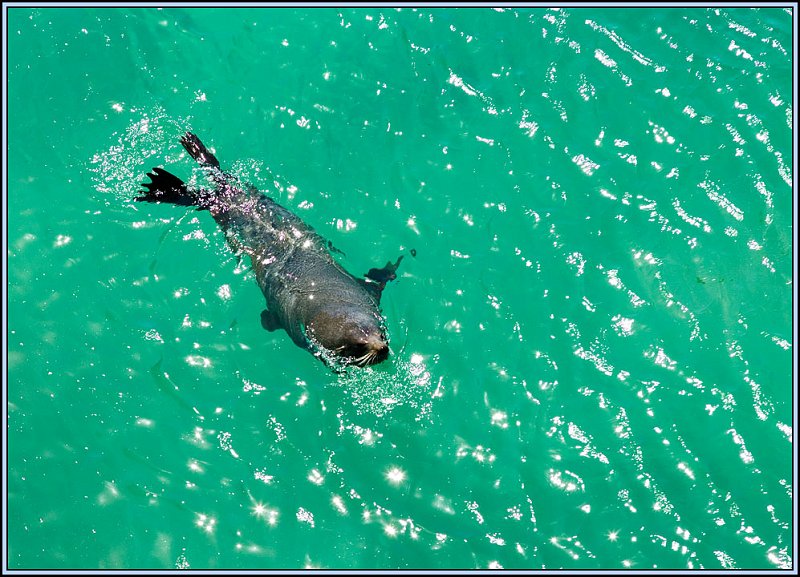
591,350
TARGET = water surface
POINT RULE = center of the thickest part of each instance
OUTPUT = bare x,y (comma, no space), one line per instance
591,351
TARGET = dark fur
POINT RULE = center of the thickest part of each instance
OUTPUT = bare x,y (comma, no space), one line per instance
321,306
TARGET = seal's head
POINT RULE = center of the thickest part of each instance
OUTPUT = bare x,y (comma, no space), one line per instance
352,335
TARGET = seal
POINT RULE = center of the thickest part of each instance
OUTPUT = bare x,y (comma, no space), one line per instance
322,307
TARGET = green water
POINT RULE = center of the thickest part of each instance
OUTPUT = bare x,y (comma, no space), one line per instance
591,350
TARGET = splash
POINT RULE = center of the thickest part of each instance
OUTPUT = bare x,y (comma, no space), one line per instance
377,391
119,170
153,139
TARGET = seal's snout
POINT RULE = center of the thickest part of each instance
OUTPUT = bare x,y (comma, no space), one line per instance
378,349
352,337
370,349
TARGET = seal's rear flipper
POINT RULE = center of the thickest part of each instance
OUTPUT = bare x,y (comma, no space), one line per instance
166,187
198,150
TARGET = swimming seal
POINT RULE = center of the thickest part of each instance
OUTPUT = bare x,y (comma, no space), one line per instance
322,307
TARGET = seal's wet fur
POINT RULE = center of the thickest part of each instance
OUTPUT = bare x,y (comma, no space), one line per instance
322,307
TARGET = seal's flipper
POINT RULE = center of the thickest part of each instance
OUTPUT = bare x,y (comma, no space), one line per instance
269,321
378,277
198,150
385,274
166,187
